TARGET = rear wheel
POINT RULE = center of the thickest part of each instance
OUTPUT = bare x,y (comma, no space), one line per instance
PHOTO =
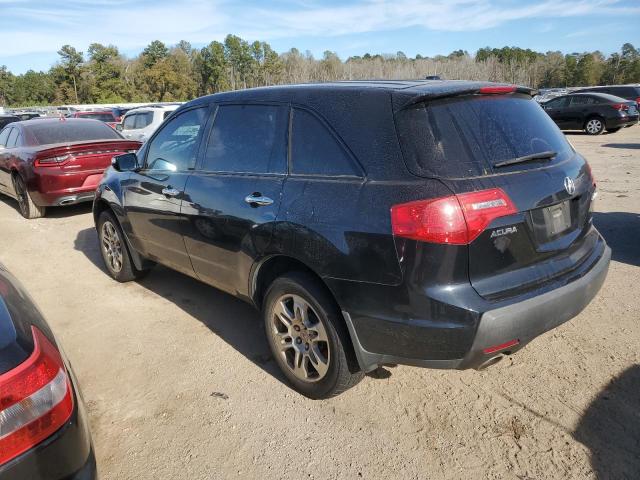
28,209
307,337
594,126
114,249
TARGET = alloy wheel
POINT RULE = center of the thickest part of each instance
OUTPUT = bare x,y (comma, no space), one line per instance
111,246
594,126
300,338
21,194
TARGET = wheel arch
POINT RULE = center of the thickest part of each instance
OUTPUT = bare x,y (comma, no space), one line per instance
274,266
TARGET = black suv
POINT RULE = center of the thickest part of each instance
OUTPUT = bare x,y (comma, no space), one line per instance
438,224
592,112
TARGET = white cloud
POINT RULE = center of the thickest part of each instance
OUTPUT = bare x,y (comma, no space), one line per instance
132,24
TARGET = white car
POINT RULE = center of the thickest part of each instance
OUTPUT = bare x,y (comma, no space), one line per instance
140,123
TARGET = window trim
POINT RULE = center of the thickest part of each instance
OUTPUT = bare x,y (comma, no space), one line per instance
206,125
336,137
215,106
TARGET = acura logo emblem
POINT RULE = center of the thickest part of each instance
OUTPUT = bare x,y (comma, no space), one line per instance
569,185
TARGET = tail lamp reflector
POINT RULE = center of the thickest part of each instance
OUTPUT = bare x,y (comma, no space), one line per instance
456,219
502,346
35,399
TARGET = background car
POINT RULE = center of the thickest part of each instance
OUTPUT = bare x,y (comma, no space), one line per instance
49,162
628,92
592,112
44,433
106,116
119,112
7,119
140,123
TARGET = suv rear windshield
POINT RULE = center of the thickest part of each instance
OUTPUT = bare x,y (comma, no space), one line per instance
62,132
465,136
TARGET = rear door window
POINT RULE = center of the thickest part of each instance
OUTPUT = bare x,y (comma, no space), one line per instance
248,139
13,135
129,122
465,136
557,102
143,119
579,100
316,151
4,135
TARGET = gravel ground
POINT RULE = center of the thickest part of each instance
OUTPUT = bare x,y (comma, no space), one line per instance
179,383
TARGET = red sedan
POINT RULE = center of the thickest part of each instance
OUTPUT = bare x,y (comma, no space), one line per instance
52,162
106,116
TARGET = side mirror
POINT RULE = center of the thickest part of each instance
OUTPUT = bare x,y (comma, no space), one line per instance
119,127
127,162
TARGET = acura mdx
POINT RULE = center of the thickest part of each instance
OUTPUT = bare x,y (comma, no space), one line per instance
436,224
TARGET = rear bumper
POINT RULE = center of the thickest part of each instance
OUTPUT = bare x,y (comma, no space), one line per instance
53,187
522,321
622,122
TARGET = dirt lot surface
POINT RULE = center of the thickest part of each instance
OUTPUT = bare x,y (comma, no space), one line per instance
179,383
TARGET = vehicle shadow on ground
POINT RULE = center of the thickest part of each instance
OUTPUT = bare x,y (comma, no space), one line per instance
231,319
621,230
610,428
634,146
53,212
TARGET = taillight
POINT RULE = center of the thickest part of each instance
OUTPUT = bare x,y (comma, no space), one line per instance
620,106
35,399
51,161
455,220
498,89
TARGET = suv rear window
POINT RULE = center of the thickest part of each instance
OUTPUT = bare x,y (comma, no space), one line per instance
46,132
463,137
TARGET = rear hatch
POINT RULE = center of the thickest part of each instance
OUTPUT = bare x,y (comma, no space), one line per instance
492,143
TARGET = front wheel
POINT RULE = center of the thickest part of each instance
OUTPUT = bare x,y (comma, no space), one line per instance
114,249
594,126
28,209
307,337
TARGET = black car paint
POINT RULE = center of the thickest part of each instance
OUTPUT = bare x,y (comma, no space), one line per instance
68,453
414,302
574,117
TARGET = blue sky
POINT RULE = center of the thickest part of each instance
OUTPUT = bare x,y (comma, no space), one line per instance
31,31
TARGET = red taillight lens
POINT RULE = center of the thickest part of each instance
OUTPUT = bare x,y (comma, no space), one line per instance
620,106
35,399
497,89
52,161
456,220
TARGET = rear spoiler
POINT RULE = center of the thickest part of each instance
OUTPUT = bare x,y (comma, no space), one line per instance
479,89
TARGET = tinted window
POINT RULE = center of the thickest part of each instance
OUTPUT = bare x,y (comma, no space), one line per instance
581,100
314,149
7,120
557,102
176,145
143,119
465,136
46,131
4,135
166,114
129,122
103,117
13,135
248,139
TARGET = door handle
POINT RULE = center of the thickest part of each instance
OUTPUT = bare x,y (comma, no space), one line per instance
170,192
257,200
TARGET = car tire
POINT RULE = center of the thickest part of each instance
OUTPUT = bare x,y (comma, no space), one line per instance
594,126
613,130
28,209
307,336
115,251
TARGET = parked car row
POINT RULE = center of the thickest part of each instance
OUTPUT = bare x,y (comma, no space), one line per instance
441,224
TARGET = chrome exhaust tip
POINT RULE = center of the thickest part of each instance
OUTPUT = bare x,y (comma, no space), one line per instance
492,361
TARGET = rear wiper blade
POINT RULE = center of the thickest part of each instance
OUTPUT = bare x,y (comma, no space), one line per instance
548,155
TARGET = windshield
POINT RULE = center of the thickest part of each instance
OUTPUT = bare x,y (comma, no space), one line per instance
63,132
466,136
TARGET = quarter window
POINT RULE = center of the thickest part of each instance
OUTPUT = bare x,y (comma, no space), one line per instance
314,149
4,135
248,139
13,135
176,145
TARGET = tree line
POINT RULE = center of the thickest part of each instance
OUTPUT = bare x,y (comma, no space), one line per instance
164,73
